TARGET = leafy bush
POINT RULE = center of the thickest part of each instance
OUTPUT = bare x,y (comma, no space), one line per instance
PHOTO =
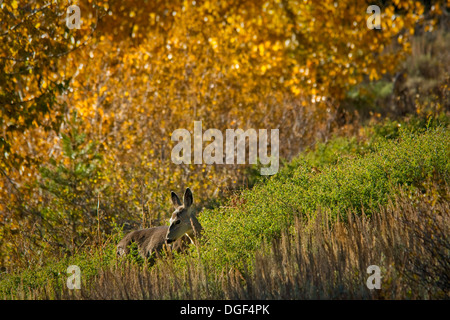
72,185
390,129
339,177
358,183
48,281
314,262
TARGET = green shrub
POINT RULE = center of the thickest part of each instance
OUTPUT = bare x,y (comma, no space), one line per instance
53,275
358,182
341,175
390,129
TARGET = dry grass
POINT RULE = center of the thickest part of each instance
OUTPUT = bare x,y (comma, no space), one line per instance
409,241
316,259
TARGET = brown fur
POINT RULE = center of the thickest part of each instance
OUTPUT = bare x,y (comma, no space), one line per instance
153,241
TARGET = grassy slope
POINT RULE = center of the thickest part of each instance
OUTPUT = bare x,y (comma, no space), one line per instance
361,177
344,174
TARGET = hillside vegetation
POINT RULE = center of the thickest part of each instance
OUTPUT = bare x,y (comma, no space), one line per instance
88,147
360,181
309,232
87,115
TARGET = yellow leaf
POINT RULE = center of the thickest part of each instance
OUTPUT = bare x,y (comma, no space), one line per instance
261,49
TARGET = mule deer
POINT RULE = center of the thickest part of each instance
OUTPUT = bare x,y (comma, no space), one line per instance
184,228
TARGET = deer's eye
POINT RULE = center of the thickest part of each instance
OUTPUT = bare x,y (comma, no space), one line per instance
177,222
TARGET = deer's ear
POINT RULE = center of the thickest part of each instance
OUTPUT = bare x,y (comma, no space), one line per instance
175,200
188,198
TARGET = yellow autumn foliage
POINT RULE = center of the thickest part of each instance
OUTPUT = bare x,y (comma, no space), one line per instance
139,69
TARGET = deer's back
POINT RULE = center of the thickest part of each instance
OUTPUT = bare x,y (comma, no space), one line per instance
147,240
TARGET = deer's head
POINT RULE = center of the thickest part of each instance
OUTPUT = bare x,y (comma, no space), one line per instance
180,222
